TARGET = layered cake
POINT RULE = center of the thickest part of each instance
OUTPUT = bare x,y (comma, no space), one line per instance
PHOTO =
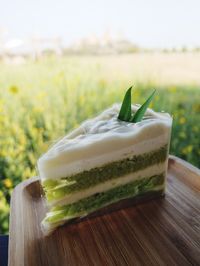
102,162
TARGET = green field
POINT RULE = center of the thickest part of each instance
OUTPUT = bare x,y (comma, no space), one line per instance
41,101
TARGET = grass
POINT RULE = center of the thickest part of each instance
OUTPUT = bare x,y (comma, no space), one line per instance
41,101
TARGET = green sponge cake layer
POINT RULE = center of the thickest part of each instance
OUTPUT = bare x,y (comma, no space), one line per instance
57,189
97,201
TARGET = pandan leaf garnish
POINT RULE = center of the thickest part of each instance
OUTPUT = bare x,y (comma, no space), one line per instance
138,116
125,111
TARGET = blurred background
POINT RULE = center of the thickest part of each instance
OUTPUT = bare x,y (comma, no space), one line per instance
64,61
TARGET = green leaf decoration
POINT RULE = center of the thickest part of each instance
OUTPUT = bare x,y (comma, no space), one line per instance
137,117
125,111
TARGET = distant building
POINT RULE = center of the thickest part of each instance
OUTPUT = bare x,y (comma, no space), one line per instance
34,47
105,44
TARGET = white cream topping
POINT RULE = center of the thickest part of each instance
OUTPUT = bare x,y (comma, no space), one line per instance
102,140
125,179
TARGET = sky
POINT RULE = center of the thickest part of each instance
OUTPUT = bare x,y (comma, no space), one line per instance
148,23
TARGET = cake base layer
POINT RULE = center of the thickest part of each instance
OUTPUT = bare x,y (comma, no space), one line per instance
59,215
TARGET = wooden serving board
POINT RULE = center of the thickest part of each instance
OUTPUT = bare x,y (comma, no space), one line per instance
162,231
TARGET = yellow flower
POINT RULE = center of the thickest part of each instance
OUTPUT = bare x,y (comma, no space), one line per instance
41,95
38,109
3,153
14,89
172,89
26,173
151,105
182,120
22,139
81,99
188,149
8,183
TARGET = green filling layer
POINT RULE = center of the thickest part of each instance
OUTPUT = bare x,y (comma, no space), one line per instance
56,189
92,203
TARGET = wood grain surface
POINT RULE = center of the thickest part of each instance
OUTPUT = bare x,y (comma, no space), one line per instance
162,231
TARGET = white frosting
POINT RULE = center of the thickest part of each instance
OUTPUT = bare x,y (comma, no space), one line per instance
104,139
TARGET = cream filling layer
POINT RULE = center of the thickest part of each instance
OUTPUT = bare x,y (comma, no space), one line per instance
147,172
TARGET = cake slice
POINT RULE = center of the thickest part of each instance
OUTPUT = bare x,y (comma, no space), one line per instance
102,162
